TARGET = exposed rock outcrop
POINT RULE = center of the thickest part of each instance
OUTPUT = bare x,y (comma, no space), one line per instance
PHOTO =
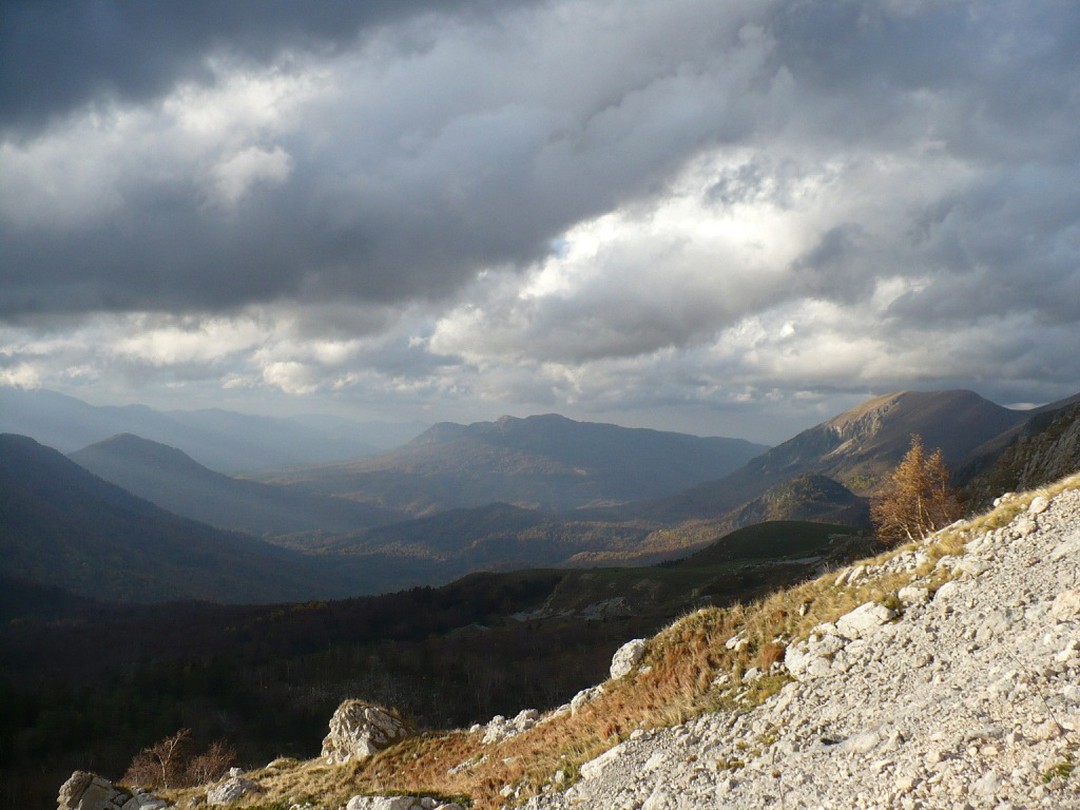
232,789
359,730
627,657
500,729
399,803
88,791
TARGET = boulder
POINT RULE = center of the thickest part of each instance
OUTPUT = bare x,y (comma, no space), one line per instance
359,730
88,791
501,729
864,619
911,595
585,696
398,803
1066,606
627,657
231,790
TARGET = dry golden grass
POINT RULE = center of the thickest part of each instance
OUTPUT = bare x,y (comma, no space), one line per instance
674,683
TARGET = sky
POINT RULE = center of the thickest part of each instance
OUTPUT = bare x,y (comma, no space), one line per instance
727,218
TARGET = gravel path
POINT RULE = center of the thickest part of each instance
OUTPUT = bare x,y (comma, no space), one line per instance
969,699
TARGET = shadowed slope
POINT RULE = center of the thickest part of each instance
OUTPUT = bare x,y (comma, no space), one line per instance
174,481
61,525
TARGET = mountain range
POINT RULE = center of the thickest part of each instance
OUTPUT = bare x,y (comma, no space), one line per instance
544,462
462,498
174,481
225,441
856,449
62,526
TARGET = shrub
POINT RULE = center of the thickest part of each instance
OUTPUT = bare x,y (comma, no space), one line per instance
169,763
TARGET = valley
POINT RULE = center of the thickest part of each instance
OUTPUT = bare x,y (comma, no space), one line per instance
390,577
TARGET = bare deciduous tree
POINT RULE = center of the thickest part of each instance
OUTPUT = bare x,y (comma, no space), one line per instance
168,763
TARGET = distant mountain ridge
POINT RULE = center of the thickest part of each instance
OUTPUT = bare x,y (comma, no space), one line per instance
60,525
857,448
174,481
225,441
548,462
509,473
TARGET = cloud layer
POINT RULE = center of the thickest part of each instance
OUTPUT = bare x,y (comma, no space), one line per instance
716,217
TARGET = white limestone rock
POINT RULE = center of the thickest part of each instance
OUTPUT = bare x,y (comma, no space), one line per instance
1038,505
946,592
399,803
359,730
500,729
911,595
1066,606
864,619
584,697
594,767
88,791
627,657
232,789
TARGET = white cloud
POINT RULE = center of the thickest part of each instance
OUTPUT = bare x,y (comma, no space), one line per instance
233,177
571,204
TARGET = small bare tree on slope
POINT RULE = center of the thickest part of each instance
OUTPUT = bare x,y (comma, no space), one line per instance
916,500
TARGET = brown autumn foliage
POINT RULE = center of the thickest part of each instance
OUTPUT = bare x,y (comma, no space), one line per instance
916,500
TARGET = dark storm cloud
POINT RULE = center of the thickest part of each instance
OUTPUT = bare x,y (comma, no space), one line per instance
554,200
469,146
169,252
1009,244
56,55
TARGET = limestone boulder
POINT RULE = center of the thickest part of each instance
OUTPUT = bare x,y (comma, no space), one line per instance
88,791
1066,606
627,657
584,697
359,730
499,729
864,619
232,789
399,803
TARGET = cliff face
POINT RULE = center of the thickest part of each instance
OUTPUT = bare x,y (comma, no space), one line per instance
1047,449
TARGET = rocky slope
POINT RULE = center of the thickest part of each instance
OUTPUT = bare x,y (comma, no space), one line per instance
966,698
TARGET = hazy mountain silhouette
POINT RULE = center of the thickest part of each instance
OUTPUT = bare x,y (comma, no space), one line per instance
60,525
174,481
225,441
548,462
